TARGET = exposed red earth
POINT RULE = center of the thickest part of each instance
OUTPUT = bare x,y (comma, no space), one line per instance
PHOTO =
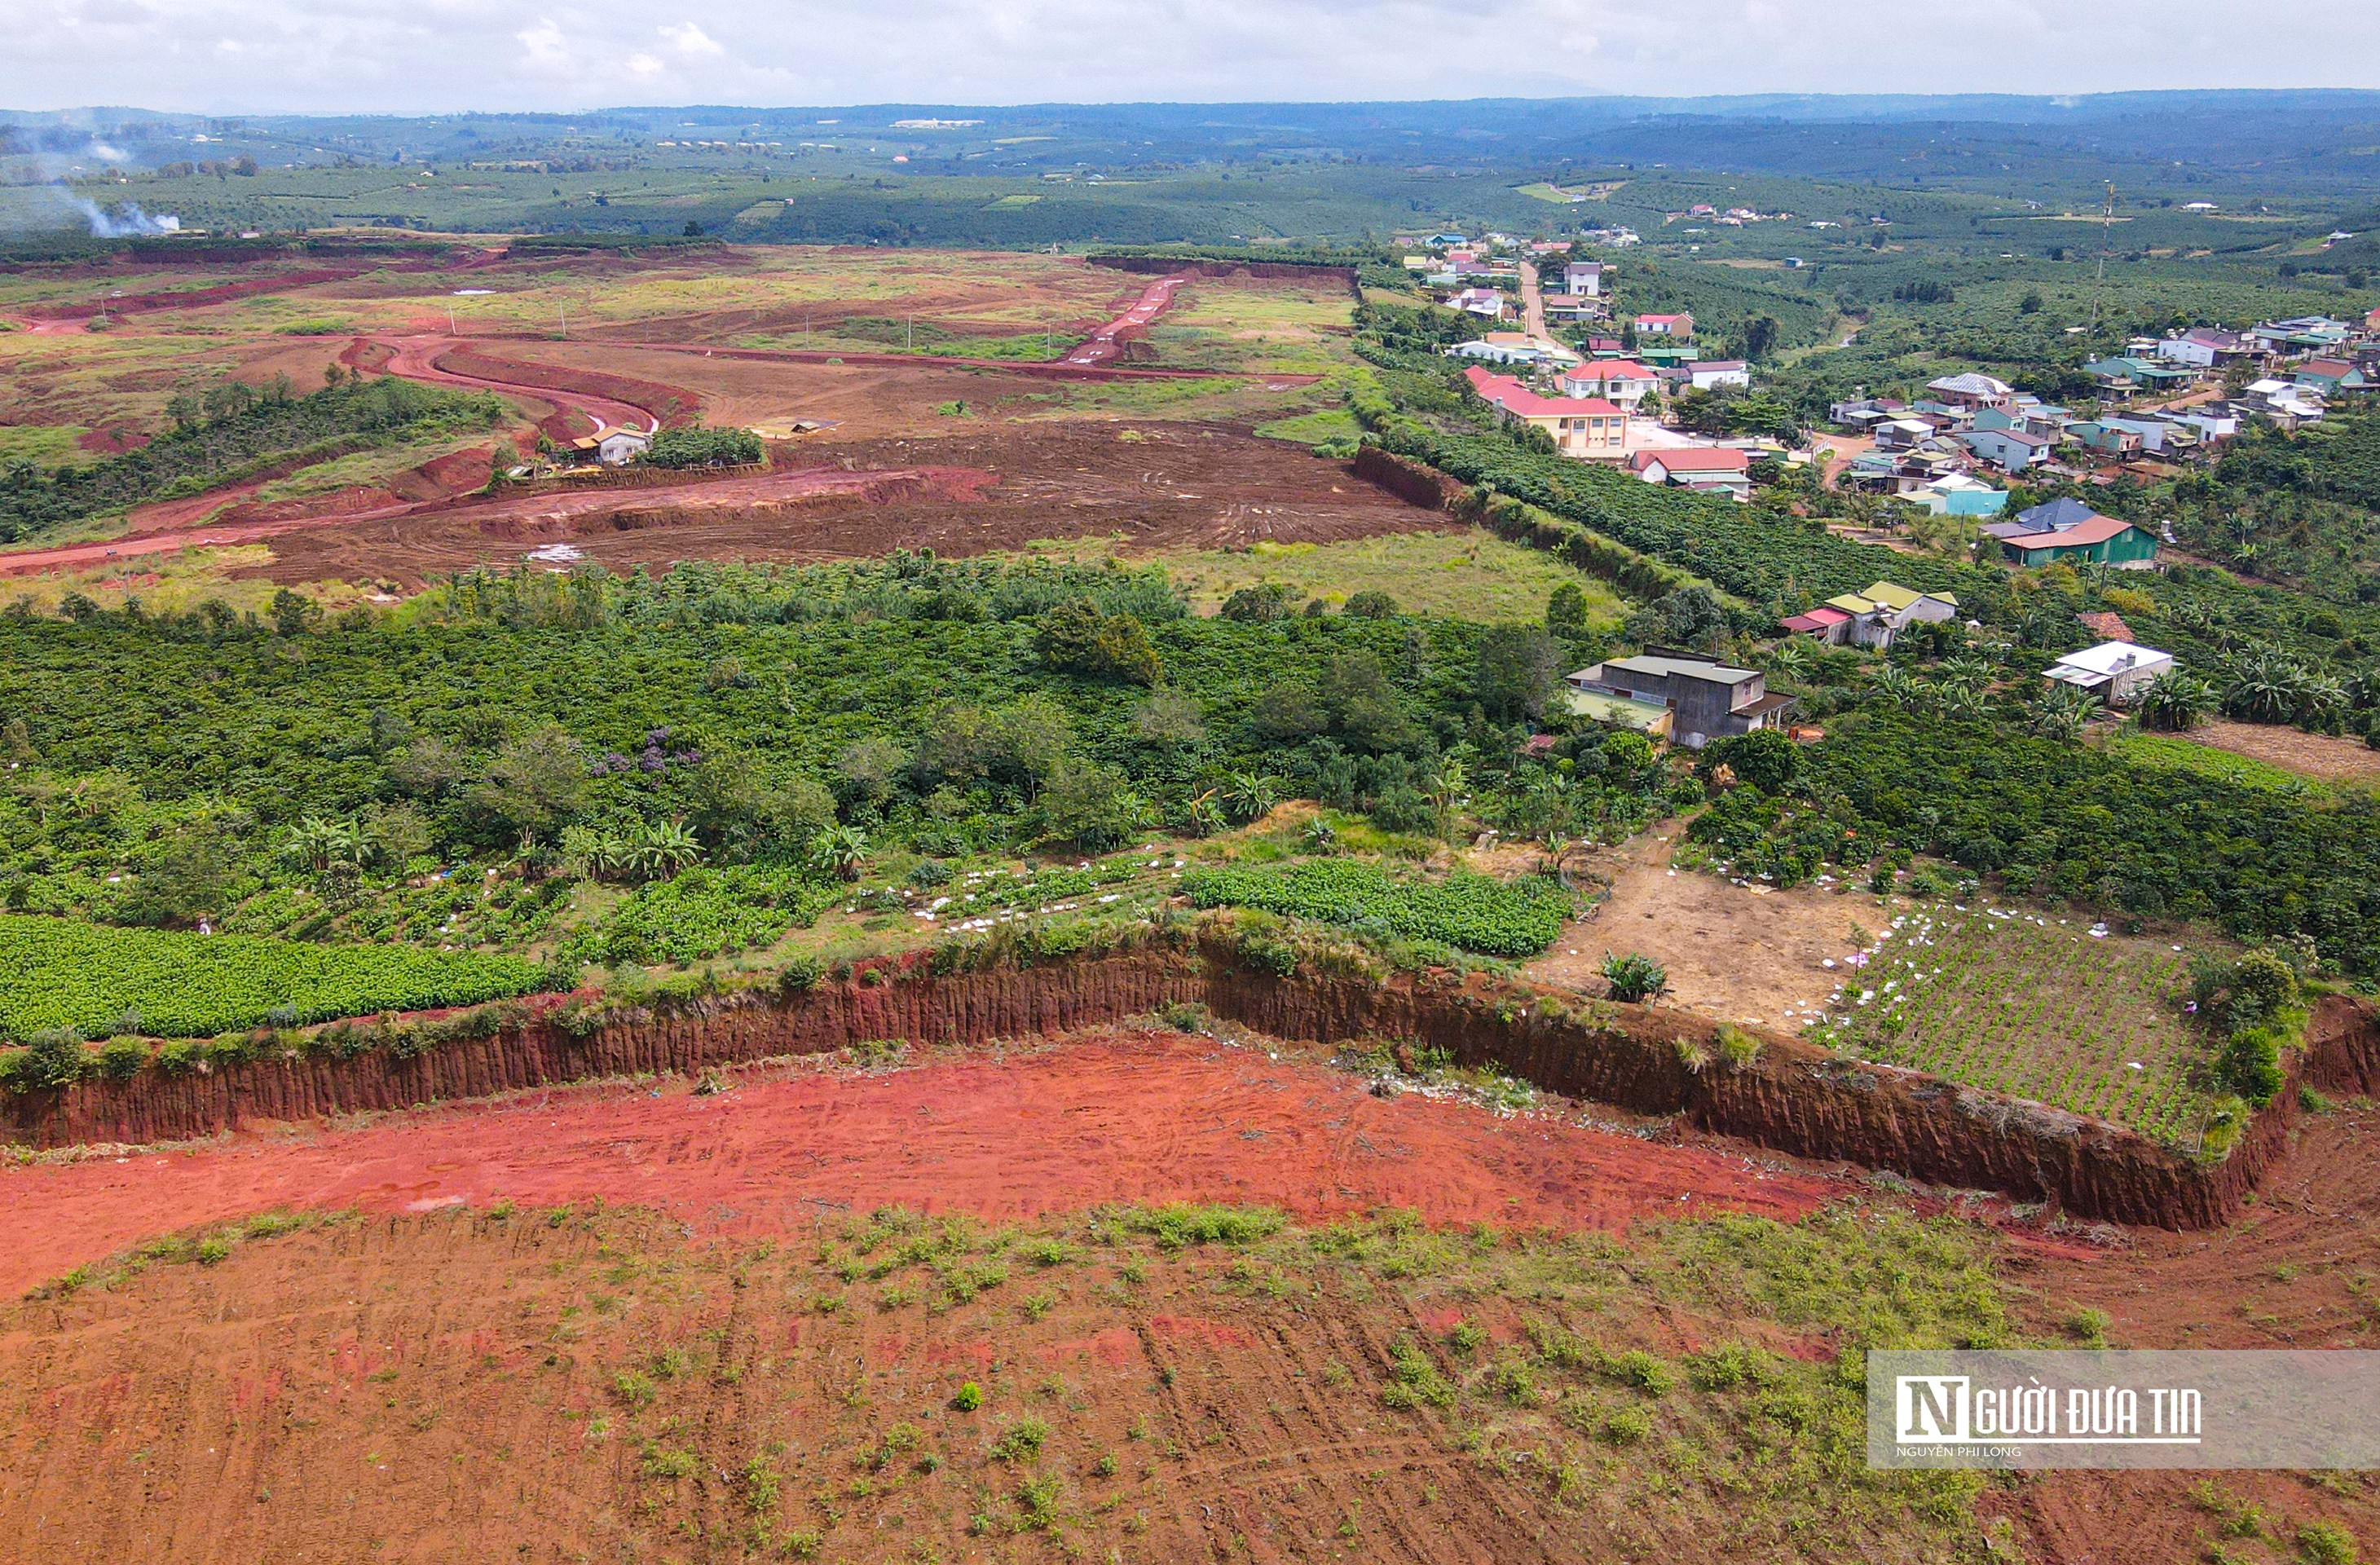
1118,1116
1109,340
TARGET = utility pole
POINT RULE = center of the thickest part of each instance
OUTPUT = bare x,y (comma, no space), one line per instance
2106,238
452,330
565,308
913,334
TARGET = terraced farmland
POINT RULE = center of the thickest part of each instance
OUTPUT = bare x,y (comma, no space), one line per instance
2024,1004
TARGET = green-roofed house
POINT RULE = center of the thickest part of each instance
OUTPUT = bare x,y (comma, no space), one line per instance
1877,616
2067,530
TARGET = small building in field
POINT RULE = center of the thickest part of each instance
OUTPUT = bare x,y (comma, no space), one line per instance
1705,468
1708,700
2067,530
617,448
1874,617
2113,671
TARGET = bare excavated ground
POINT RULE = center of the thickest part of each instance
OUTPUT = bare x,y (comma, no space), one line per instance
1151,485
610,1322
1734,952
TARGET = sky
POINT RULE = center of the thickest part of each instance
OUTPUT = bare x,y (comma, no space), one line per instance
231,56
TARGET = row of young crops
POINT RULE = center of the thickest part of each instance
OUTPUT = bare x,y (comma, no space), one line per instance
2026,1006
97,979
1472,912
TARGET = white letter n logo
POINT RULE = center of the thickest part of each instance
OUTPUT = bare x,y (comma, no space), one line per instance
1929,1409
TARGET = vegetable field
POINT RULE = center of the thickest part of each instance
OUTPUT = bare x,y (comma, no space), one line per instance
1470,911
2021,1004
55,973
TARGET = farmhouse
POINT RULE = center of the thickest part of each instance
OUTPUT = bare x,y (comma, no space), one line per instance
1681,326
1714,470
1708,699
2067,530
1872,618
1585,427
617,448
2113,671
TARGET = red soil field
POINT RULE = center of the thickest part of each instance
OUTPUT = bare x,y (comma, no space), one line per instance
1118,1116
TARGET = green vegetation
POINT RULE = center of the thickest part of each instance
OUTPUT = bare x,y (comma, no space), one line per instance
1472,911
698,447
55,974
235,431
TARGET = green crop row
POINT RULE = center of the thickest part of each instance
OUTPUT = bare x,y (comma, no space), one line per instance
55,973
1472,912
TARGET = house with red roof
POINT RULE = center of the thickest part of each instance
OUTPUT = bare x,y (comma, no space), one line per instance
1679,325
1622,381
1585,427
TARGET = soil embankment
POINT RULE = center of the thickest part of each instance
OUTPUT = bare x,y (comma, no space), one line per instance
1791,1097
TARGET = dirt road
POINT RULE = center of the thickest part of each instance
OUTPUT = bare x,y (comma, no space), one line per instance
1108,340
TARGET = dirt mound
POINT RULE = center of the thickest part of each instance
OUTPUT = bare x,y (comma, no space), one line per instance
1118,1116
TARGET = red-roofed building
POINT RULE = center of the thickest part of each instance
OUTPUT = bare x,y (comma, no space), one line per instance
1585,427
1665,325
1821,623
1622,381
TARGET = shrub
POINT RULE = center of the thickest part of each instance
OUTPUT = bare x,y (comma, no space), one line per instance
1737,1048
120,1059
2327,1543
52,1057
1371,604
1635,978
1020,1441
969,1398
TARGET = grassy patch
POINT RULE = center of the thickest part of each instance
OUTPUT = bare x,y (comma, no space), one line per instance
1465,572
2164,752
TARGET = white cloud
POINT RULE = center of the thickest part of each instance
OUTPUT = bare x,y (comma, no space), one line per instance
691,40
545,44
644,65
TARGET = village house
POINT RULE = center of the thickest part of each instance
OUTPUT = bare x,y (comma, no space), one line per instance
1622,381
1583,278
2113,671
2207,347
2012,450
1970,392
1872,618
1709,469
2067,530
1587,428
1503,348
1571,309
1708,700
1679,325
1709,374
1479,302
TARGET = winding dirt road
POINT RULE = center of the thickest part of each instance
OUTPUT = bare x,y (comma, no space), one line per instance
1109,340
